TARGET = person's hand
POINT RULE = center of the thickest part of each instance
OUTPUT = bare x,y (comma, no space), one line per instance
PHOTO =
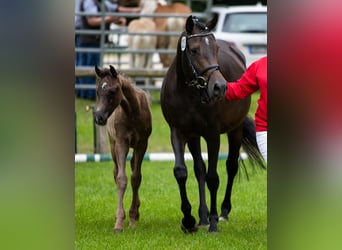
121,21
117,20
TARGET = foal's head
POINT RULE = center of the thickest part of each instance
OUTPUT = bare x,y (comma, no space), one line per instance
199,53
109,93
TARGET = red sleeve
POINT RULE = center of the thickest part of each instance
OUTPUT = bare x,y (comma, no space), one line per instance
253,79
245,86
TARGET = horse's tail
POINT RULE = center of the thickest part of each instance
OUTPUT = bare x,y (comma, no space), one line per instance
249,143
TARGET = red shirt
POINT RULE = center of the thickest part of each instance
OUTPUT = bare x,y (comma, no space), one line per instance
253,79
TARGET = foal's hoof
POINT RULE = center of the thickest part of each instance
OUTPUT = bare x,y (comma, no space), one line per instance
118,230
132,223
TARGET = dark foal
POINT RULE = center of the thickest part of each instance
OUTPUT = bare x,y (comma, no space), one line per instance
192,101
126,111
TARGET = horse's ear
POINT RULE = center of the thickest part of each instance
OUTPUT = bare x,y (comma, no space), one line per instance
189,25
113,71
97,71
212,23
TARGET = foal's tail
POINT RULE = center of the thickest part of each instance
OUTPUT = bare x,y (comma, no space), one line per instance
249,143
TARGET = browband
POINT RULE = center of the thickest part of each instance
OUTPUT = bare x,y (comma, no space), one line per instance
199,34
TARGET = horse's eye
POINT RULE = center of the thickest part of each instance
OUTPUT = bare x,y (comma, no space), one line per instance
111,91
194,51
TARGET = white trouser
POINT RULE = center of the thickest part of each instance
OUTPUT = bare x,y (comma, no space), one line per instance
261,138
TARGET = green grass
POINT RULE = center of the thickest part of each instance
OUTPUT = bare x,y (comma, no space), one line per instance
160,214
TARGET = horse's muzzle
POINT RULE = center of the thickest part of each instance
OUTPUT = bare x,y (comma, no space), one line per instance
100,118
219,90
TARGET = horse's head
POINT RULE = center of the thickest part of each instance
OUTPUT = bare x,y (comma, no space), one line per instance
109,93
198,49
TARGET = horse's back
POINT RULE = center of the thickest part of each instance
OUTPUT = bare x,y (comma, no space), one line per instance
145,111
231,60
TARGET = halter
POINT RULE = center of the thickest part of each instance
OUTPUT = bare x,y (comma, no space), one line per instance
199,81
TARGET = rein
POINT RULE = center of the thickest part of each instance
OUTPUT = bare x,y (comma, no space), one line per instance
198,81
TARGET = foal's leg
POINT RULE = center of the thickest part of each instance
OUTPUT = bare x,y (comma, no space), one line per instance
199,169
235,140
136,161
120,152
181,174
212,179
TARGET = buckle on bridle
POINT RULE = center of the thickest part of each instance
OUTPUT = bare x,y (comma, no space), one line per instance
200,82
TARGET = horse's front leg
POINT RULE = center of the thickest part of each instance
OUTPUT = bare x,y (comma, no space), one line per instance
120,151
200,172
213,180
180,172
235,140
136,161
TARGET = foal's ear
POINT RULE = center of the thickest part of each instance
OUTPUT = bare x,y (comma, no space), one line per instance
212,23
113,71
189,25
97,71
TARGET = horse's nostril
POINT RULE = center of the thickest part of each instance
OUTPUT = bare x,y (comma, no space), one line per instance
219,89
99,119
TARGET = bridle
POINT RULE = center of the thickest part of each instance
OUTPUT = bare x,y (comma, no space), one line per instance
198,81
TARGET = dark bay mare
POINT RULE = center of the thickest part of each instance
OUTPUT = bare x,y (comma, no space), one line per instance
126,111
192,101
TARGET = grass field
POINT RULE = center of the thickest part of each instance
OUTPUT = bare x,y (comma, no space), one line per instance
160,214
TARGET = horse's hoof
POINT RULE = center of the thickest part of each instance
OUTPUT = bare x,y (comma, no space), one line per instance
204,222
213,229
203,225
213,224
189,225
189,230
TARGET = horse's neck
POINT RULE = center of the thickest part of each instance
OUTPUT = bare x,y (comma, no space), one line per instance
130,101
179,65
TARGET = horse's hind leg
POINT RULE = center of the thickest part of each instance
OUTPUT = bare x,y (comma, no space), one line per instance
213,180
199,169
235,140
136,162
